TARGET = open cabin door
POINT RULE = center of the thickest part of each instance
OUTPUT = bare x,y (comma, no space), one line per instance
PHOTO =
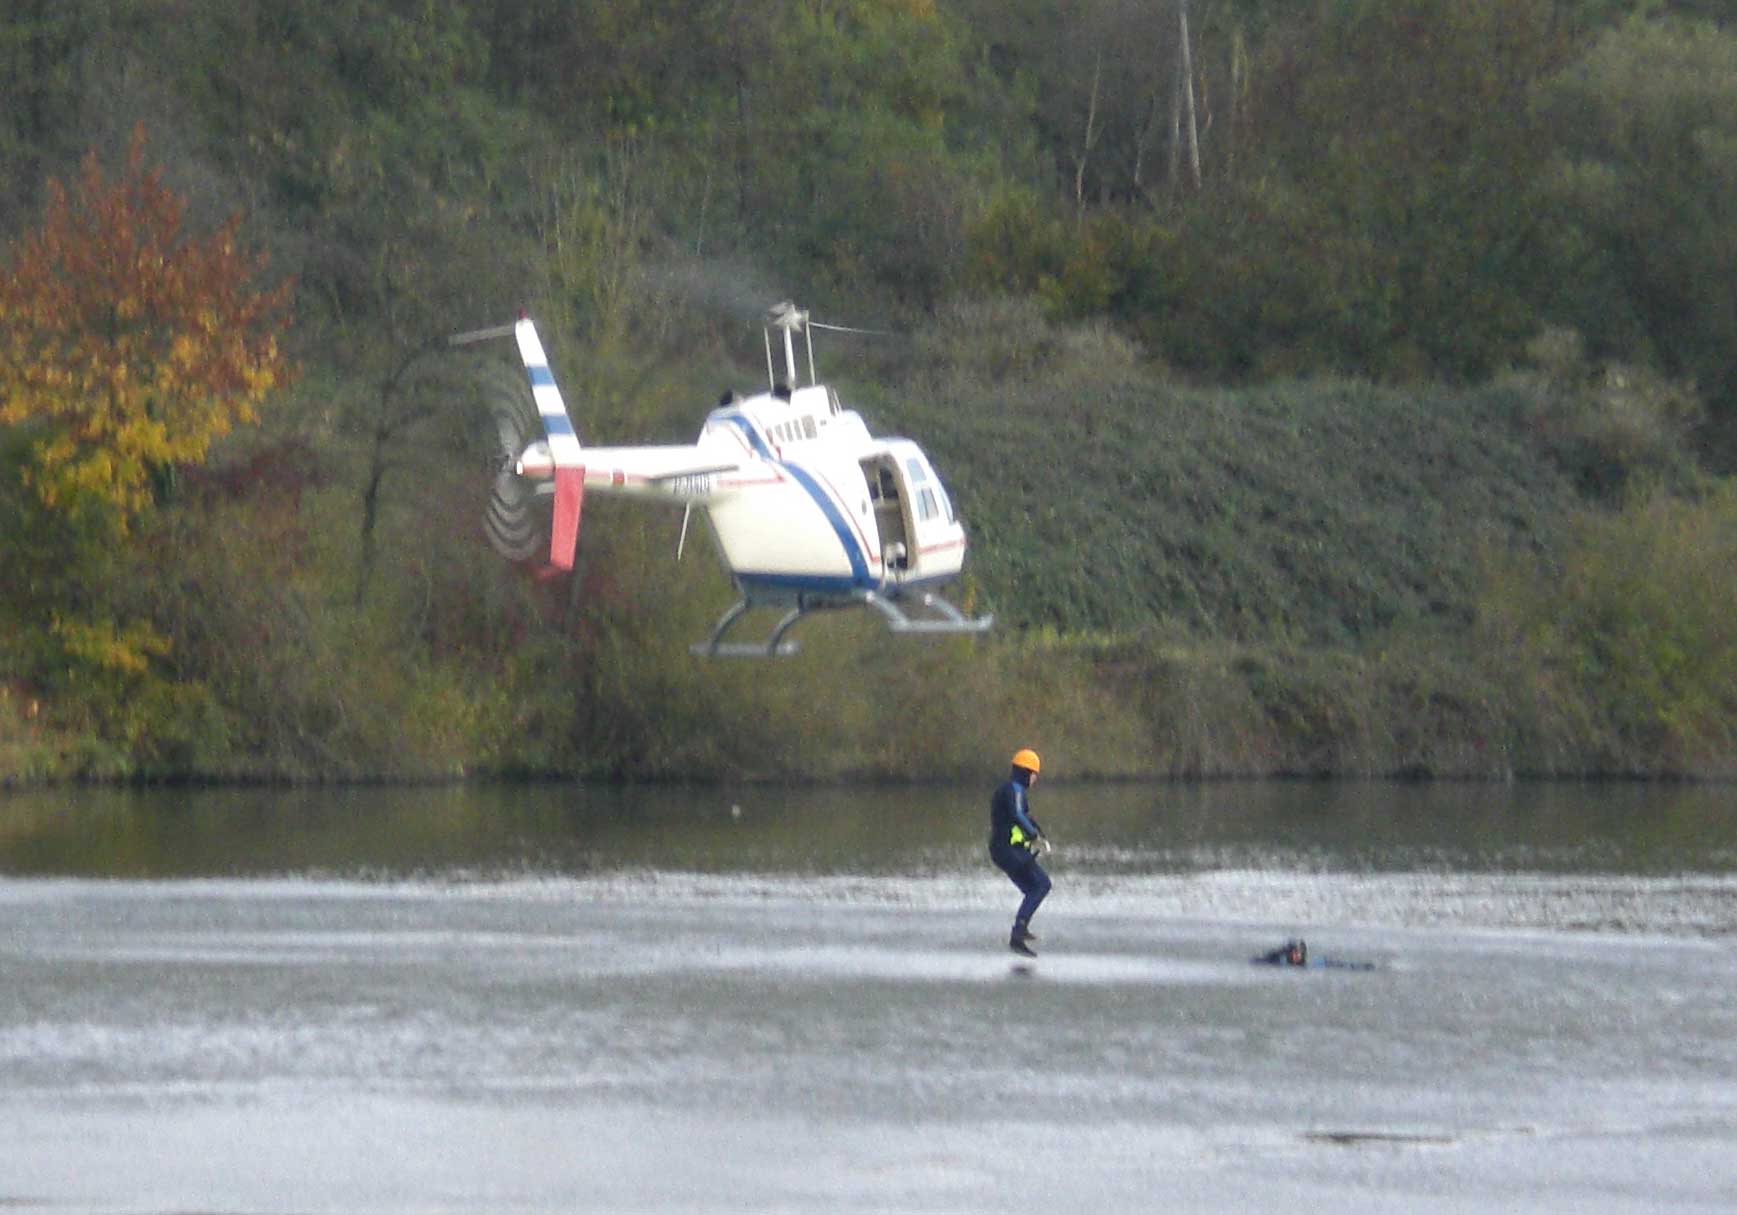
919,537
886,487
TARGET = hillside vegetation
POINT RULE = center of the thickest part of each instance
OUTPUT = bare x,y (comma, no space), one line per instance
1362,401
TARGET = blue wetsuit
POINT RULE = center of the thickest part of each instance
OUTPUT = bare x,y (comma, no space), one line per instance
1013,836
1295,953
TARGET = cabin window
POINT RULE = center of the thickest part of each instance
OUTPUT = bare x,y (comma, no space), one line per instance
926,508
919,474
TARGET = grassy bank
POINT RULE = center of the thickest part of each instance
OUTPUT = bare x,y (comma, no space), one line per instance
857,706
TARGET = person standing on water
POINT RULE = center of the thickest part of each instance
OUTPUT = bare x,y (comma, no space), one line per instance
1014,839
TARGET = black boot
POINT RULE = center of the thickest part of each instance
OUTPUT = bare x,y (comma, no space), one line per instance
1017,941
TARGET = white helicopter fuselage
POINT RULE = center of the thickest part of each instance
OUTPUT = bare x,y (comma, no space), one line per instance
801,499
808,509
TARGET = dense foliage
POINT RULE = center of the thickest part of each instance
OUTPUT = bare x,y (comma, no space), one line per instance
1359,398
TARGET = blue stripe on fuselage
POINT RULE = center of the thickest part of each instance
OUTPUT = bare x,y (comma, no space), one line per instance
789,585
840,525
859,573
755,442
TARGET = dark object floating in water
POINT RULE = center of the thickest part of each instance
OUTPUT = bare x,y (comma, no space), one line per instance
1382,1138
1296,953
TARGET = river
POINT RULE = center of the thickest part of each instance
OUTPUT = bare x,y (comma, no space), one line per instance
546,998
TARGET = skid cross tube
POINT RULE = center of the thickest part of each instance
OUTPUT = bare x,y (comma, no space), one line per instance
948,619
951,620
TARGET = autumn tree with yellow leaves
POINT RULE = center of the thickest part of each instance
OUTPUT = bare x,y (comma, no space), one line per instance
127,344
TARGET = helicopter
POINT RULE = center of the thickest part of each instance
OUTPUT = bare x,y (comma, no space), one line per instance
808,511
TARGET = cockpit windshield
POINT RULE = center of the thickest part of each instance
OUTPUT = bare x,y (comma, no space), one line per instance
928,498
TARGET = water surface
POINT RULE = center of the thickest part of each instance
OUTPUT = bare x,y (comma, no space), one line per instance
555,999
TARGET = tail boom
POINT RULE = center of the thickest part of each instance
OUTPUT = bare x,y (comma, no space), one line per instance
689,474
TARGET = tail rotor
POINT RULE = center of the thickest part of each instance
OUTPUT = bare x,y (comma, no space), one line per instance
516,520
540,458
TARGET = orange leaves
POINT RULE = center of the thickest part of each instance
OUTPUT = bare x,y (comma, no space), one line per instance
127,342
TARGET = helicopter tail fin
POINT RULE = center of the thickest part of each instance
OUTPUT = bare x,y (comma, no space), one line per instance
564,527
565,456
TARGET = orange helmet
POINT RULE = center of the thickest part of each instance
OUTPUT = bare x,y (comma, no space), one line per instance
1025,758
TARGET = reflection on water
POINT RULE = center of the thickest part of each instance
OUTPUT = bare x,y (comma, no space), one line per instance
1550,828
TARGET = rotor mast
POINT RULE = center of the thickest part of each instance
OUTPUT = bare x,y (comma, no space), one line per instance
789,318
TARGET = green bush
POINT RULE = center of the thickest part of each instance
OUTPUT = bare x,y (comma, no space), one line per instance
1100,496
1630,636
1612,428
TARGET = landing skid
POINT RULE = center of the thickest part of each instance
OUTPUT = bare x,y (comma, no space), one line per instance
774,647
947,619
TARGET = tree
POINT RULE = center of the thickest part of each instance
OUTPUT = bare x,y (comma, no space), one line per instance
1383,223
39,44
1645,188
839,139
127,344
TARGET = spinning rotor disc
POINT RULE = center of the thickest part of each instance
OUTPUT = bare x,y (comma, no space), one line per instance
516,519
